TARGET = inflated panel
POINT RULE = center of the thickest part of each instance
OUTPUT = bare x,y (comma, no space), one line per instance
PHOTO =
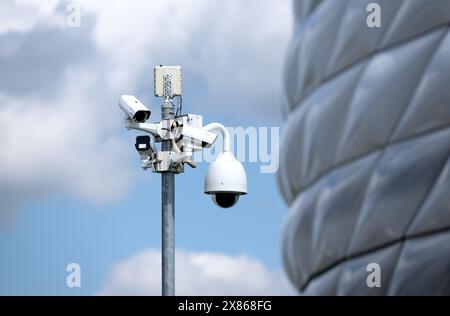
365,157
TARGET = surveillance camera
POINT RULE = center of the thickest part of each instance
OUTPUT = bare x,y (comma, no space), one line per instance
226,180
134,108
145,149
195,137
189,131
143,144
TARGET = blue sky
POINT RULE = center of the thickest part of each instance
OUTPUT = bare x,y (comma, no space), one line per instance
76,193
52,232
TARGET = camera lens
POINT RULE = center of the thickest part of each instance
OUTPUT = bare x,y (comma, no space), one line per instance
226,200
141,116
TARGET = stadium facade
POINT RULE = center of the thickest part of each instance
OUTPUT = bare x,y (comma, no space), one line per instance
364,163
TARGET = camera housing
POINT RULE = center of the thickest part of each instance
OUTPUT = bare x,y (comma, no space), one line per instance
226,180
146,150
134,109
143,144
195,138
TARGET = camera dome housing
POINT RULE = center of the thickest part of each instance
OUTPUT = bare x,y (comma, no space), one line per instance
226,180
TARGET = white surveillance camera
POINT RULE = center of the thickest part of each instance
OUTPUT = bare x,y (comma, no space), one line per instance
196,138
134,109
190,134
226,180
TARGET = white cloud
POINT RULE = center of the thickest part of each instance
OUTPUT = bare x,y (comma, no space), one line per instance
197,274
60,146
59,86
234,48
22,15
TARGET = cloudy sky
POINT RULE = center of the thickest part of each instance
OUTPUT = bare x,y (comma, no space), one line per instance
71,189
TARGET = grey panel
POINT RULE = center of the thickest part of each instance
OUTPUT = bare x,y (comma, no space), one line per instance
353,279
383,93
364,163
312,125
355,43
405,175
311,54
291,96
415,17
423,267
340,199
324,284
326,115
430,107
293,145
435,212
297,245
304,8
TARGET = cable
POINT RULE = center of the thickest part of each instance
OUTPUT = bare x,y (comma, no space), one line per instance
179,105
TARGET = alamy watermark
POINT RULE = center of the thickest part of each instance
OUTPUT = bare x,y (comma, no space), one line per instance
251,144
73,279
373,280
374,17
73,19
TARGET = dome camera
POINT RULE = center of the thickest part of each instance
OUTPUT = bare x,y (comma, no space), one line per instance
226,180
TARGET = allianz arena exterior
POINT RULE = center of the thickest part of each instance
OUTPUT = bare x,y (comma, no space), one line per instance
364,163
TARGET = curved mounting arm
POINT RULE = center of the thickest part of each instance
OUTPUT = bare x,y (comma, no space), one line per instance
154,129
225,134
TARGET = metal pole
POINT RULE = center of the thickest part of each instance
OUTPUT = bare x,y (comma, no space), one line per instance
168,215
